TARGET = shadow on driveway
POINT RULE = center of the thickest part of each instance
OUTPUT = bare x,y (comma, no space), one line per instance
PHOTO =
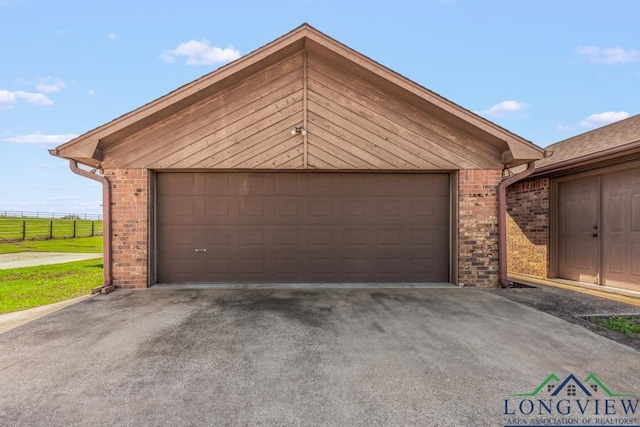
274,357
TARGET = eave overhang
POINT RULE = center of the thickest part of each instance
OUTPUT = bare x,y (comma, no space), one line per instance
603,158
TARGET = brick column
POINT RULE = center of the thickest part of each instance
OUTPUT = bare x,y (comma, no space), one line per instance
129,226
478,227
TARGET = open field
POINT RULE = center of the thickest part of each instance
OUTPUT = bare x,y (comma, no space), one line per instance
13,229
23,288
78,245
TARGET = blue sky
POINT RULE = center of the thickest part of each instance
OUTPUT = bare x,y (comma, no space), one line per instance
545,70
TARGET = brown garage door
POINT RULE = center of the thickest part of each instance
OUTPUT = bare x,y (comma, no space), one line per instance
302,227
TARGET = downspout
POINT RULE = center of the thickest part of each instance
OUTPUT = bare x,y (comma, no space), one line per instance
107,286
502,220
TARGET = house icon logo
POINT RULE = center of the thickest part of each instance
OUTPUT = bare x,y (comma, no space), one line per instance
571,401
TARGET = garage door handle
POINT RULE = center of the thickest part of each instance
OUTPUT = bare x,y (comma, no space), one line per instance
201,250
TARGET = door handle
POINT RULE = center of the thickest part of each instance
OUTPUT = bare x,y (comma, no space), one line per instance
201,250
593,235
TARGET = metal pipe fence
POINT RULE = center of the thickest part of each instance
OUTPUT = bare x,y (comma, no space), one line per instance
15,229
49,215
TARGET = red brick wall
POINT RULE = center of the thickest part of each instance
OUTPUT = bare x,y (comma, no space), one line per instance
528,227
478,227
130,226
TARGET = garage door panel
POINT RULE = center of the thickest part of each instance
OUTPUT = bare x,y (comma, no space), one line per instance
294,184
182,268
390,238
306,227
218,209
181,209
388,209
217,265
322,266
423,265
217,183
353,239
286,209
421,208
287,238
217,237
355,209
180,237
178,184
321,210
388,266
252,239
250,207
355,267
421,238
251,265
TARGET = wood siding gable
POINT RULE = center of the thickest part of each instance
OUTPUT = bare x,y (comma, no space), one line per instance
246,125
357,115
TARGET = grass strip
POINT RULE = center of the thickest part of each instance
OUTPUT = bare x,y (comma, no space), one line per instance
77,245
23,288
628,325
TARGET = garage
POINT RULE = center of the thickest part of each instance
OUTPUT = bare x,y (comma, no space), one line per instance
302,161
599,229
303,227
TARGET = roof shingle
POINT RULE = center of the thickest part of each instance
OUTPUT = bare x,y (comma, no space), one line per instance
617,134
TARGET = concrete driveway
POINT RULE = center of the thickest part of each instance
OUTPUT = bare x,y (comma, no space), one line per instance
33,259
293,357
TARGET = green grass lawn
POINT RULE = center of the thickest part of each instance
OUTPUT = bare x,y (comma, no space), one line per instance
22,288
79,244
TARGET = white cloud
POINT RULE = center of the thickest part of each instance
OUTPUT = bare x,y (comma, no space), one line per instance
201,53
39,99
38,138
601,119
112,36
504,108
90,92
7,99
50,84
609,56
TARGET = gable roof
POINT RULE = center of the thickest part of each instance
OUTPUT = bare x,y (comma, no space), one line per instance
610,141
93,147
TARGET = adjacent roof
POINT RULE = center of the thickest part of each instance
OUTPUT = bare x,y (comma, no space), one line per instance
621,138
451,130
